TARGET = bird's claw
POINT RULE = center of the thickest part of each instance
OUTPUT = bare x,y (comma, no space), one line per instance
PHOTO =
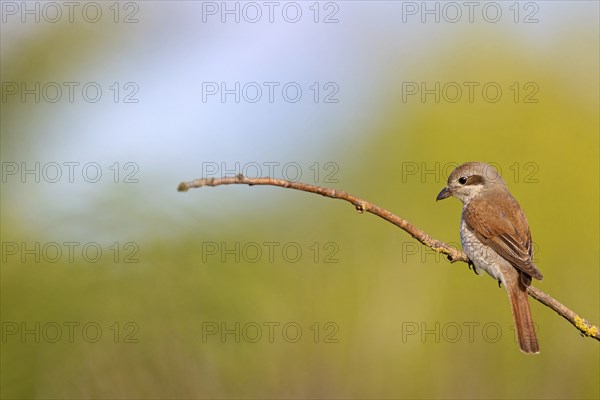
470,264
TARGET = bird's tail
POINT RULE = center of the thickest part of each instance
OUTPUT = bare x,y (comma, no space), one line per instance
524,327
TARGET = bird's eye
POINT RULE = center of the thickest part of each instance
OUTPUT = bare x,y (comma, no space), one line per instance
462,180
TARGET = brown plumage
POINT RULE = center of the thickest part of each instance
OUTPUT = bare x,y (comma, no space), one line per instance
503,227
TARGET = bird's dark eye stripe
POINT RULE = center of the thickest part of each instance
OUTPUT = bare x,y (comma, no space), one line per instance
475,180
471,180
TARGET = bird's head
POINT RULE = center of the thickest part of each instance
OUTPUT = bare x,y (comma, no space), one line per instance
469,180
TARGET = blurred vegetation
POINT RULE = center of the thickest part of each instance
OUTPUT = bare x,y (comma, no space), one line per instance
372,295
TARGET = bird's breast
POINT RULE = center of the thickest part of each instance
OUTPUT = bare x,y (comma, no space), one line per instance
482,256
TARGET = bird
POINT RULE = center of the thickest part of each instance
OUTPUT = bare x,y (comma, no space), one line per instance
496,238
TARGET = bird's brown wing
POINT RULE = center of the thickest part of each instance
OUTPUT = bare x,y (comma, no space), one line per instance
503,227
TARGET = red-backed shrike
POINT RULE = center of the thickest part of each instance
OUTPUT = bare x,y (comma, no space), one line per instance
495,237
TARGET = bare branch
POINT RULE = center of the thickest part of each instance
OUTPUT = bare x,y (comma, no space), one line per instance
453,254
583,325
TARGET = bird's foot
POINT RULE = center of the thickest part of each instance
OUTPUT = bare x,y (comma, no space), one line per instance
470,264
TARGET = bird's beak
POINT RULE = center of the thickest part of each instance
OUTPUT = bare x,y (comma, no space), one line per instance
444,194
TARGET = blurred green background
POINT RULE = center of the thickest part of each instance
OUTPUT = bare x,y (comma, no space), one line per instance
364,312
